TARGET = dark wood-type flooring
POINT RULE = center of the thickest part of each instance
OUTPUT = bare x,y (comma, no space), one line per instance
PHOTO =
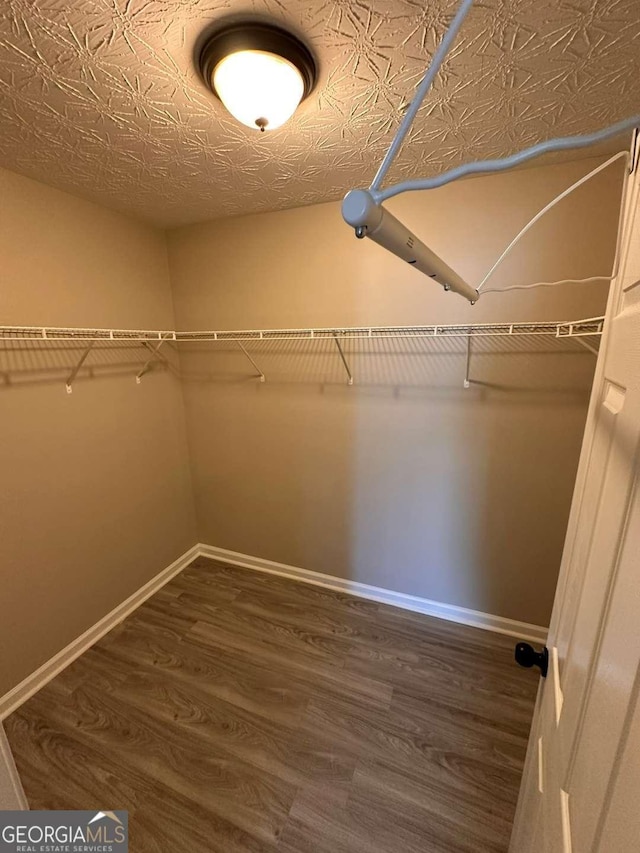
242,713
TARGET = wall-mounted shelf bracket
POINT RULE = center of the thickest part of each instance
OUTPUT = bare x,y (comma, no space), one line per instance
344,360
586,345
467,382
155,354
261,375
74,372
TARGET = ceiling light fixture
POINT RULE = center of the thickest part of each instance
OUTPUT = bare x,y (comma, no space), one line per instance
259,72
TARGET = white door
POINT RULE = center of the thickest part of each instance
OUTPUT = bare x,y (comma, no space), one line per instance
581,786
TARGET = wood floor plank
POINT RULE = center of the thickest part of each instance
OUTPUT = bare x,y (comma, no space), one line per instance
375,820
160,819
312,667
281,637
385,653
387,738
255,801
234,679
454,789
402,822
399,636
474,717
288,589
212,724
243,712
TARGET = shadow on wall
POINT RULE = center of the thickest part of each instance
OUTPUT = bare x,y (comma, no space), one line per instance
96,495
524,363
521,363
405,480
55,362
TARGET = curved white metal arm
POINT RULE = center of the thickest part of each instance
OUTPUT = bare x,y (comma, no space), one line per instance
438,58
483,167
362,209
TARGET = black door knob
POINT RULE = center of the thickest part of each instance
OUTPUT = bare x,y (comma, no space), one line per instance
527,656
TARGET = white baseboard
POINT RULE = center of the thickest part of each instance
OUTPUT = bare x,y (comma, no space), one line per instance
451,612
34,682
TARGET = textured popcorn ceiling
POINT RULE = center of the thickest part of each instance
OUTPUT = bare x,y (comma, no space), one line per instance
100,97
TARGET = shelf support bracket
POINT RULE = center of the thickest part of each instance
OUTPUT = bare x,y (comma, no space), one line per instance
584,344
74,372
155,354
344,360
467,381
261,375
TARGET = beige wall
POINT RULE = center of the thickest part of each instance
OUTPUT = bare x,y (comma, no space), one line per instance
96,494
404,480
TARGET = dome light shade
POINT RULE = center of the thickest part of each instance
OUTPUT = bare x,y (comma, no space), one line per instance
259,72
260,89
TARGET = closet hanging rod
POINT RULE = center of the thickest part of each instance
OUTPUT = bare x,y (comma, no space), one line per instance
562,329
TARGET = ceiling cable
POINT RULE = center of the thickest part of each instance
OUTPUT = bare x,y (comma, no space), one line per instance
541,213
549,283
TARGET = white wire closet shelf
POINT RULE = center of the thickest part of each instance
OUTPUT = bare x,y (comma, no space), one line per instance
592,326
349,343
